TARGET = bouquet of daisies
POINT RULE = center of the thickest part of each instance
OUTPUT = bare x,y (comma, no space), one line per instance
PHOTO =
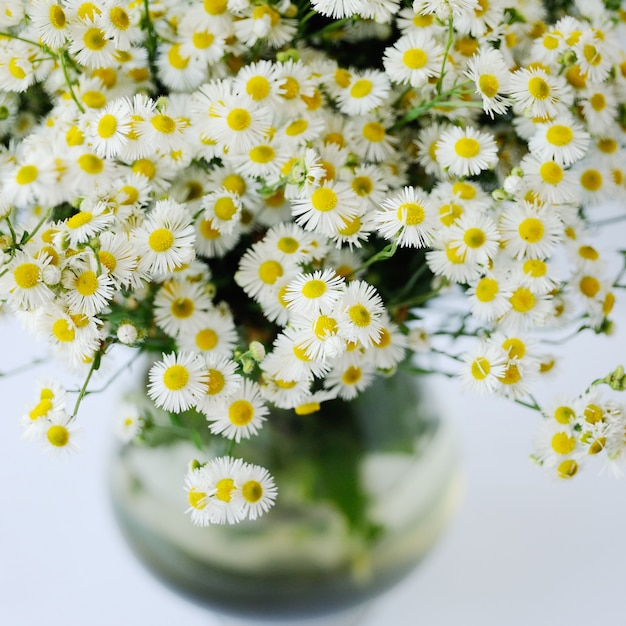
281,201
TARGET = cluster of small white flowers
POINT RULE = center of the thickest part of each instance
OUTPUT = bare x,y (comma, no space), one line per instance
177,155
227,491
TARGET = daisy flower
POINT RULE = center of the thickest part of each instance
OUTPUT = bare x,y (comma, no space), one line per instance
446,260
165,240
337,9
178,305
22,282
256,491
211,242
260,268
530,231
465,152
317,334
390,347
366,91
50,22
213,334
58,433
90,44
199,490
407,218
308,294
527,310
107,128
223,209
491,75
489,297
221,383
259,80
177,381
236,121
89,289
482,366
326,208
178,70
360,313
128,423
51,399
82,226
475,236
348,380
549,180
413,59
539,93
562,140
116,253
241,416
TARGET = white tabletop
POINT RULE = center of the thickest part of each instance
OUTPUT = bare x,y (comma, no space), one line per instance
522,548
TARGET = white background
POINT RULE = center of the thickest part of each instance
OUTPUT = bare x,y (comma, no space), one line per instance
522,548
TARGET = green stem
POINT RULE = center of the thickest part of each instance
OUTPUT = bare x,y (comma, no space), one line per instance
231,447
445,55
422,108
68,81
12,231
110,381
417,300
386,253
22,368
529,405
450,356
29,41
151,43
83,390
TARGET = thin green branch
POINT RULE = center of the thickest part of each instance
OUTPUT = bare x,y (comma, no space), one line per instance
445,54
22,368
95,364
68,81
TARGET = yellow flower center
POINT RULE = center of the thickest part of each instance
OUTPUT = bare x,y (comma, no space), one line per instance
539,88
474,238
206,339
564,414
359,315
176,377
314,288
591,180
258,87
235,184
324,199
197,499
290,88
531,230
80,219
87,283
562,443
108,260
511,375
589,286
384,339
56,16
161,239
58,435
175,59
41,409
288,245
224,489
252,491
535,268
597,102
486,289
351,226
411,213
215,383
26,174
361,88
215,7
225,208
262,154
62,330
352,375
182,308
522,300
324,327
26,275
163,123
515,348
238,119
465,191
373,131
567,469
240,412
107,126
467,148
296,128
559,135
415,58
270,271
90,163
94,39
488,85
480,368
202,40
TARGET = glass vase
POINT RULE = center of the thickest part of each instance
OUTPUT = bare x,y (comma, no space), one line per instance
365,488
